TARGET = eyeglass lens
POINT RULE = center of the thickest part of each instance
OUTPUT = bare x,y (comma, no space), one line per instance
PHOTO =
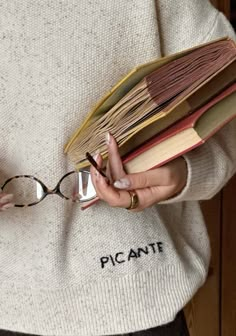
25,190
77,185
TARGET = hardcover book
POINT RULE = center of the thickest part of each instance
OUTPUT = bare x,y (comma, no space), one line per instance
179,99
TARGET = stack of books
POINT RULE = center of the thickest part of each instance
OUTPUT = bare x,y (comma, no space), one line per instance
163,109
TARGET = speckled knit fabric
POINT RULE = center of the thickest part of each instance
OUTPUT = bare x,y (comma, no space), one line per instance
102,271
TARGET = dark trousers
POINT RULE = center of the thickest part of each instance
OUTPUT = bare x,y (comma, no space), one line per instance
176,328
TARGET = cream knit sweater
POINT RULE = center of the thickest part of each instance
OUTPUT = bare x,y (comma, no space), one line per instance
102,271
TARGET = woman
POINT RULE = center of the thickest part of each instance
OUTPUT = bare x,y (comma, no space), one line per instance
70,272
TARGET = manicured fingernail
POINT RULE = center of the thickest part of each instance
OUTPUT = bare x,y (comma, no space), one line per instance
108,138
95,156
7,206
5,198
123,183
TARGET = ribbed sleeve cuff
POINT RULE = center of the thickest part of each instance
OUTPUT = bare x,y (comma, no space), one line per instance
206,174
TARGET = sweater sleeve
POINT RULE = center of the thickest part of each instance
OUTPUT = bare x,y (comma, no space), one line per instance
211,165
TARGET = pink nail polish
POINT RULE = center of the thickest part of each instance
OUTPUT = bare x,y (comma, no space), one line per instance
108,138
95,156
123,183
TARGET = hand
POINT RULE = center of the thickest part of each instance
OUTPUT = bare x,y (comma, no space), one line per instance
152,186
5,201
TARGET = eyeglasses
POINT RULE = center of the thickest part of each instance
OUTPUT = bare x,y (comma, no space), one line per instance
28,190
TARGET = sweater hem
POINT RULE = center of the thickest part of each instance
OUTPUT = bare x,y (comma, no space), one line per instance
113,306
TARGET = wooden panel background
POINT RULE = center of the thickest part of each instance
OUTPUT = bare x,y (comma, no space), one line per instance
223,6
212,312
228,261
203,312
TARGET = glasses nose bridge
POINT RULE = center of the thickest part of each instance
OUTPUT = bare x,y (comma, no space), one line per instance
56,189
53,191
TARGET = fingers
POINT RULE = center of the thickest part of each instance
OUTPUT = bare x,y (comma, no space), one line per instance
115,197
171,174
6,201
141,180
152,186
115,166
105,191
121,198
160,176
93,171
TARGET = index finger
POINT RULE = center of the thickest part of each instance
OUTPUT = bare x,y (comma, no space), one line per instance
155,177
114,160
106,192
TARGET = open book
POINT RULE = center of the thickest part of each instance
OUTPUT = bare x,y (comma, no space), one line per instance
155,96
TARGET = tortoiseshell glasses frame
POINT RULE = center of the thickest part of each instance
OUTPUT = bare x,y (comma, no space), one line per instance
28,190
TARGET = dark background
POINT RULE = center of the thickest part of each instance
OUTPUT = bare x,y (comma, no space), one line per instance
233,13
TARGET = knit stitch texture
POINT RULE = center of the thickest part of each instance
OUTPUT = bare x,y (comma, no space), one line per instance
102,271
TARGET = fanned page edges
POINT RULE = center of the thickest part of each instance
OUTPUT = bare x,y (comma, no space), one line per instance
124,86
197,99
173,78
187,134
152,98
